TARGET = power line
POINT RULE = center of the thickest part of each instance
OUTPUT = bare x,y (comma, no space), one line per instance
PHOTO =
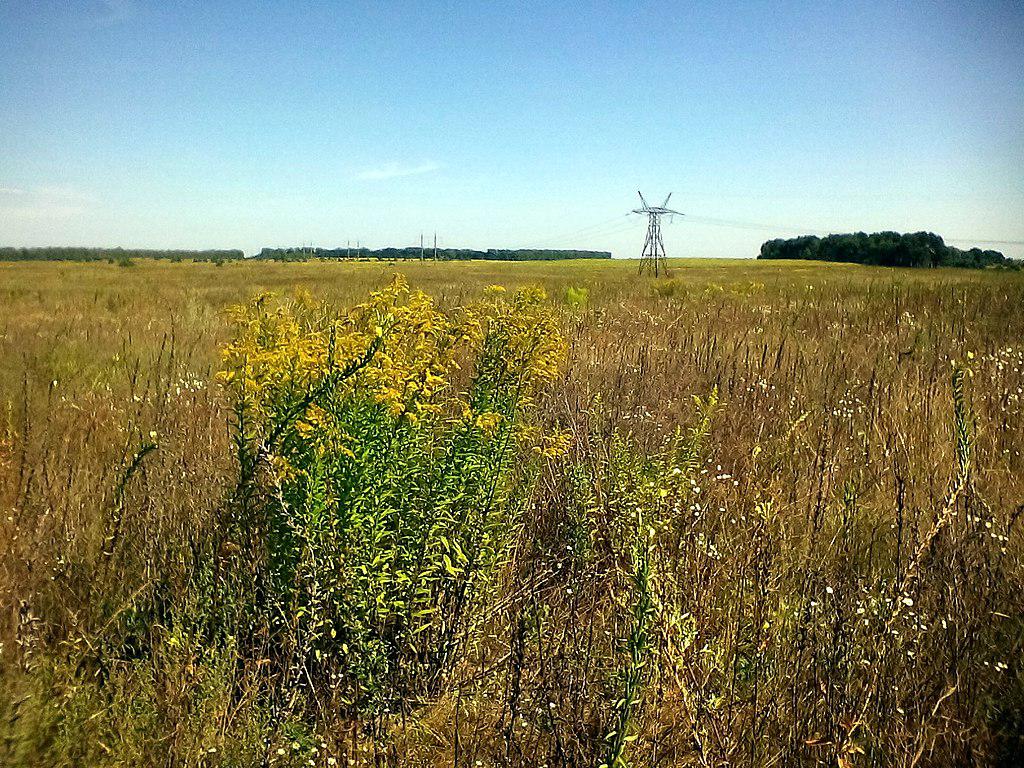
609,231
984,242
738,224
591,230
605,232
620,224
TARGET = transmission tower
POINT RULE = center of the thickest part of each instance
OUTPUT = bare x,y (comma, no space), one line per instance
653,254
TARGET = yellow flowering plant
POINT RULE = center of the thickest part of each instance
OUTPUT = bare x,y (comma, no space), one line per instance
382,458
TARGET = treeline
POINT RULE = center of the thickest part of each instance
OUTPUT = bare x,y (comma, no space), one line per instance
888,249
114,254
445,254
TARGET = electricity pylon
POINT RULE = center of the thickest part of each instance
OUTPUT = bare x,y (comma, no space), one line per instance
653,254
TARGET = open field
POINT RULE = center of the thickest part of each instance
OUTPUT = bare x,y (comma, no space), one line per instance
760,513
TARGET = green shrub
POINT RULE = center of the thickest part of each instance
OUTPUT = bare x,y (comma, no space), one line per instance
382,478
577,298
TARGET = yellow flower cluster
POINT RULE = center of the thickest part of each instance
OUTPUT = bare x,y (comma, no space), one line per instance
527,333
283,353
551,445
411,373
283,349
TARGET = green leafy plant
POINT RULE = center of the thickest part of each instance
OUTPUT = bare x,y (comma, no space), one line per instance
384,477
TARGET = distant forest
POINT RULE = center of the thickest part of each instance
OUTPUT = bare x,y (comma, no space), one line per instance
887,249
112,254
445,254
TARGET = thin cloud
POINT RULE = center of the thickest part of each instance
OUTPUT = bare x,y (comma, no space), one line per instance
41,211
44,202
62,192
397,171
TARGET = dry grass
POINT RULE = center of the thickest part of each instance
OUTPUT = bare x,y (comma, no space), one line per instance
837,582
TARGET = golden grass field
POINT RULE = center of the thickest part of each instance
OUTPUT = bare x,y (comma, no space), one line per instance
833,574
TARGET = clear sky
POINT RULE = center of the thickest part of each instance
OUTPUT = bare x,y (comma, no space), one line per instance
521,124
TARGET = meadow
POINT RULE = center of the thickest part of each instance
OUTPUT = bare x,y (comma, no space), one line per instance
503,514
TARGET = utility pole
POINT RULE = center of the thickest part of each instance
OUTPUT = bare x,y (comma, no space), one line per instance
435,246
653,254
421,246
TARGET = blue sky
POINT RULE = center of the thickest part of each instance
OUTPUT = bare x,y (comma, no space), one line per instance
171,124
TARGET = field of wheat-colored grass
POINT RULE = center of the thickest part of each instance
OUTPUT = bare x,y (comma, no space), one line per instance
754,514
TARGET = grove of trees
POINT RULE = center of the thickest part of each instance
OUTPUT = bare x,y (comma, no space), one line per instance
113,254
889,249
445,254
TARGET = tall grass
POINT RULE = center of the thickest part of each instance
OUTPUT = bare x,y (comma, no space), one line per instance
760,515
